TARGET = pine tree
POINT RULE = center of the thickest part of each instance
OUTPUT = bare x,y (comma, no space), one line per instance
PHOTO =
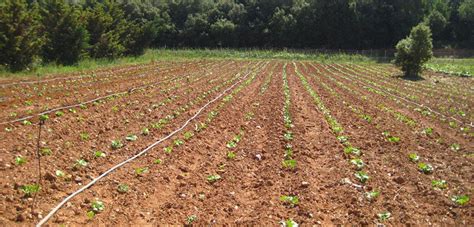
20,42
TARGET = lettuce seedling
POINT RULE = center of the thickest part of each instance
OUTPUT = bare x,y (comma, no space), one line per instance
30,189
289,163
213,178
20,160
362,176
413,157
372,195
290,200
425,168
131,137
439,184
460,200
384,216
358,163
116,144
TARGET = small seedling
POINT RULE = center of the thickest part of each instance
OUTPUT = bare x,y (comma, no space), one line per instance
46,151
26,122
168,149
145,131
99,154
289,163
439,184
288,135
230,155
231,144
83,106
84,136
425,168
289,223
30,189
60,173
362,176
428,131
116,144
178,142
384,215
386,133
8,129
455,147
213,178
393,139
191,219
72,110
122,188
157,161
59,113
413,157
188,135
290,200
358,163
43,117
81,163
342,139
372,195
97,206
131,137
90,214
352,150
460,200
141,170
20,160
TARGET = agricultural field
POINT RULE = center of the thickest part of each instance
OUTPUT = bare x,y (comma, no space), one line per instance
246,142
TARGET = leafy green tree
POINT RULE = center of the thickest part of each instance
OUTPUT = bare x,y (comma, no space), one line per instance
414,51
223,32
66,38
20,42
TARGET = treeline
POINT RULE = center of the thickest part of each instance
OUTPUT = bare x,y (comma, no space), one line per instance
63,32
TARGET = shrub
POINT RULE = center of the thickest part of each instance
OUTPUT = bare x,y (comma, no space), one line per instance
414,51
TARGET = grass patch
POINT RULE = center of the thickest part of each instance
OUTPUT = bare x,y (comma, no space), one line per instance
187,54
458,67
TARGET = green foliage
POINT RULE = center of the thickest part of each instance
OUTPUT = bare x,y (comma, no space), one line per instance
122,188
116,144
213,178
439,184
384,216
141,170
414,51
362,176
289,163
20,38
460,200
97,206
290,200
425,168
30,189
413,157
20,160
372,195
65,35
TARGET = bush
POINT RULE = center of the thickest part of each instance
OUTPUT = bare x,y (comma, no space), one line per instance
414,51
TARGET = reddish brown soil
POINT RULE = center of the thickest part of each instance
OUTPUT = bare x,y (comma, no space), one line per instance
252,183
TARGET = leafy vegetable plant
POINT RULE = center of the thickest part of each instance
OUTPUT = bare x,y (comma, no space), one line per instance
116,144
460,200
362,176
439,184
372,195
290,200
20,160
30,189
384,216
122,188
289,163
425,168
358,163
213,178
413,157
141,170
99,154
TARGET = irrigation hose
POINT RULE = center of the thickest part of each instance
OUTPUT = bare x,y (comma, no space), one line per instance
65,200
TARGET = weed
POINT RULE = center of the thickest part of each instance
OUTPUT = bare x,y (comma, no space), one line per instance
460,200
439,184
362,176
290,200
30,189
425,168
213,178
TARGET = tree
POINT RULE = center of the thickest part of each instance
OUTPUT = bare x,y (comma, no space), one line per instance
20,42
65,36
414,51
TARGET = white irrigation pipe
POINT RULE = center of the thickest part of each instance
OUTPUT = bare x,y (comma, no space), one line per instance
86,102
65,200
412,102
